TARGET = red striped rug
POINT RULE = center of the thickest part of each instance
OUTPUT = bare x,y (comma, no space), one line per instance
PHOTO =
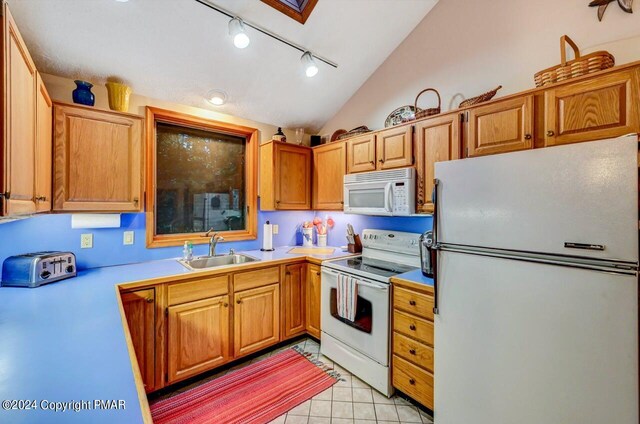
256,394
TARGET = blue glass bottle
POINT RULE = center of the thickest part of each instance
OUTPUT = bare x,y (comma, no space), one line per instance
82,94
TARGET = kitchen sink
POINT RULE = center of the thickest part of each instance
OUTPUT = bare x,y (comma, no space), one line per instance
205,262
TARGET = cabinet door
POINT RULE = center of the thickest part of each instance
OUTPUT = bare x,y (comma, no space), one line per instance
329,167
361,154
198,337
18,171
98,160
139,308
292,177
394,147
437,140
603,107
313,296
44,147
293,299
501,127
256,319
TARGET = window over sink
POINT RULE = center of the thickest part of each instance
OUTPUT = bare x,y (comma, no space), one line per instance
201,175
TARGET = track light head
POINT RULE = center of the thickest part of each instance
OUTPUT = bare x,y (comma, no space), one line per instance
236,30
310,67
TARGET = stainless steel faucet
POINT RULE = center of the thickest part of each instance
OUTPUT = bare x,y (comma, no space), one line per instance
213,241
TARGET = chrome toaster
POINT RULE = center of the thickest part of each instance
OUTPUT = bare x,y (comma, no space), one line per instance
35,269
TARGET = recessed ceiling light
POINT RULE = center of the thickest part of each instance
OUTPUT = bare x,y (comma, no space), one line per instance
310,67
236,30
216,97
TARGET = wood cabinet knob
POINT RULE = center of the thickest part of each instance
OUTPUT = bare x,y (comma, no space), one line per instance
550,133
318,273
372,162
528,137
135,201
238,301
412,327
412,302
421,202
412,381
412,351
149,300
287,273
381,160
225,304
41,198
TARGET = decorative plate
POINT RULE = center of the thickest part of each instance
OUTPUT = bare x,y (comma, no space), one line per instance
400,115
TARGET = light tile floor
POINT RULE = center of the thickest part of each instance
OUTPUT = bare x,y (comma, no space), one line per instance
350,401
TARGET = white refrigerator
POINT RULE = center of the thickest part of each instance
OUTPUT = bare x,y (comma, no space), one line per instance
537,286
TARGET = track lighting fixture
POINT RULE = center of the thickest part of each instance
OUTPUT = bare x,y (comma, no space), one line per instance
310,67
236,30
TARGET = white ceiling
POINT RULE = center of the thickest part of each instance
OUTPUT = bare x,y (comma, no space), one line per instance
177,50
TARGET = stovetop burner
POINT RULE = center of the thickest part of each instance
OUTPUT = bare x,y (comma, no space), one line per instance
373,266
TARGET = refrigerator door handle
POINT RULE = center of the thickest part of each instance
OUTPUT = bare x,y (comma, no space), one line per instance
585,246
433,250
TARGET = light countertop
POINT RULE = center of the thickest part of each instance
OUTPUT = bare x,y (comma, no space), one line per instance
65,341
416,277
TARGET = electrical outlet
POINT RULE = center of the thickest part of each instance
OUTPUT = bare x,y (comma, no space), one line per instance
275,228
86,241
127,238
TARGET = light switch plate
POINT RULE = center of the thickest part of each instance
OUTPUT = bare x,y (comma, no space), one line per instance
275,228
127,238
86,241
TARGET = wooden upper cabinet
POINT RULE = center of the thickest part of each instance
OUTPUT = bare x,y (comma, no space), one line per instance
198,337
603,107
256,319
139,309
437,140
329,167
17,166
285,176
313,295
501,127
44,147
394,147
293,299
361,153
98,160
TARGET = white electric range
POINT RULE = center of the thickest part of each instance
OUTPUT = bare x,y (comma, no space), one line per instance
362,346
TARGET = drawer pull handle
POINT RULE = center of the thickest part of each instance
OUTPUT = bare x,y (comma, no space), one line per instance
550,133
412,381
412,351
412,327
412,302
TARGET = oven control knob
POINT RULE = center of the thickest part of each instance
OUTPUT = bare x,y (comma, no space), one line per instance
70,269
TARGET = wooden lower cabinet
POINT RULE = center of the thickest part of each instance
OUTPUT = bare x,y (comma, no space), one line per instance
413,341
293,299
198,337
313,296
139,308
256,319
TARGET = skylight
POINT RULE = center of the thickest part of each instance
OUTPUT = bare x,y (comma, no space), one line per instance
298,10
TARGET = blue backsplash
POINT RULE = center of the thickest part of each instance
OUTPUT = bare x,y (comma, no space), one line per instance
54,232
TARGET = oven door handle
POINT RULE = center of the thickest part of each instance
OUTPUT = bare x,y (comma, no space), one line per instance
360,282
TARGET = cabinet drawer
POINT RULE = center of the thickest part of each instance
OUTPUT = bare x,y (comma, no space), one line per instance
252,279
414,327
413,351
178,293
413,381
411,301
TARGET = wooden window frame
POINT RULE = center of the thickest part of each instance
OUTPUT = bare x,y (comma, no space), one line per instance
154,115
292,13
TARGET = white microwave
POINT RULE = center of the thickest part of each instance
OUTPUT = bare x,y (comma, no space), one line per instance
385,193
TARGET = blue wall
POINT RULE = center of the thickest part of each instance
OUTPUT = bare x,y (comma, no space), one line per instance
54,232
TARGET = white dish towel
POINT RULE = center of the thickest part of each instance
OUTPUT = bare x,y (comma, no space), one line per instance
347,297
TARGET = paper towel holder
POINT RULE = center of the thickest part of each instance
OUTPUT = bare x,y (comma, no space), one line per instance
263,235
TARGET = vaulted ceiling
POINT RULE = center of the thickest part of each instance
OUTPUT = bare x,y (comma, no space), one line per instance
178,50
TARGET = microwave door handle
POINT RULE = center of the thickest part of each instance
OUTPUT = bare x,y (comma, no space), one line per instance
388,194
